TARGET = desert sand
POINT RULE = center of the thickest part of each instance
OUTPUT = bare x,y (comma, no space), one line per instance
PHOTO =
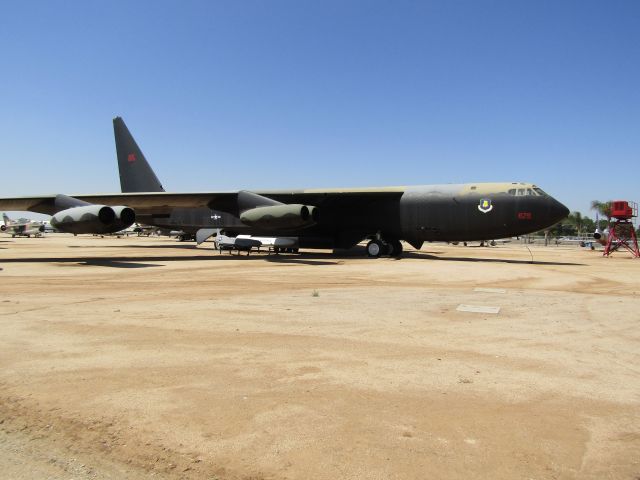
148,358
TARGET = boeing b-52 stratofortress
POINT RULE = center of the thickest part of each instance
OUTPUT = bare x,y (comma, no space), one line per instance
314,218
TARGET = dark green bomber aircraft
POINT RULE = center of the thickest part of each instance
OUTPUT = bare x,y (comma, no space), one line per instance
314,218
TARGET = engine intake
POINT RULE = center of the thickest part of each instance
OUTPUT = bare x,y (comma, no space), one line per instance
280,217
93,219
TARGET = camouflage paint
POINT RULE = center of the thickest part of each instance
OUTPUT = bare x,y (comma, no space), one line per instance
345,216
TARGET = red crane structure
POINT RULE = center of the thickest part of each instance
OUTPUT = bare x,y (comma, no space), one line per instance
622,232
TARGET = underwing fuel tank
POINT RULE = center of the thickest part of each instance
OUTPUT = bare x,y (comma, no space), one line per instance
93,219
279,217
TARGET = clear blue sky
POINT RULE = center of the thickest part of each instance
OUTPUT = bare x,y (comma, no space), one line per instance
279,94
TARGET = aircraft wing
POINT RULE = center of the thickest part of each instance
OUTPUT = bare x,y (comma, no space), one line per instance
163,202
19,224
141,202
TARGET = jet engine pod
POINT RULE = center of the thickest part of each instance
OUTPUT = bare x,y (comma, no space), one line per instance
93,219
280,217
3,228
315,214
125,215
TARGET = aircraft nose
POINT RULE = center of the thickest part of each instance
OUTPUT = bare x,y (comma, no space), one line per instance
558,210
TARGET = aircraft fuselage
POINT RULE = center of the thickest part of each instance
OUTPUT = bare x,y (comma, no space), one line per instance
462,212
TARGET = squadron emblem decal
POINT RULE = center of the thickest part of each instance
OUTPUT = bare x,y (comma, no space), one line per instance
485,205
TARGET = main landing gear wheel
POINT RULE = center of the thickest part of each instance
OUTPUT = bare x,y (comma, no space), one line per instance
394,248
375,248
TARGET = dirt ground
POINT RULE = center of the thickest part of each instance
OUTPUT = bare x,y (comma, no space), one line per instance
148,358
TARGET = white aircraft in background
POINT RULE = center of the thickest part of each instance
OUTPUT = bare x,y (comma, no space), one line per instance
22,227
245,243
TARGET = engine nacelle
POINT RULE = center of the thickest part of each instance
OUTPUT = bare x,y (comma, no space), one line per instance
93,219
280,217
3,228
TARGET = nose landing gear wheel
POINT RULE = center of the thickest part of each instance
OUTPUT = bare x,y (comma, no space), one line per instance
374,248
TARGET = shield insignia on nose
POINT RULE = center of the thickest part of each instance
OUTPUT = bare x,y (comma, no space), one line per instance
485,205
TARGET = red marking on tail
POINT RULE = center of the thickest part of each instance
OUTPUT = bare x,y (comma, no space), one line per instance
131,158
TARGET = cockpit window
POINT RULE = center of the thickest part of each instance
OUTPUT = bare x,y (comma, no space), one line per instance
526,192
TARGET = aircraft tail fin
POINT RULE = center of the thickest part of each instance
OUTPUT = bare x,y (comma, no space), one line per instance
7,220
136,175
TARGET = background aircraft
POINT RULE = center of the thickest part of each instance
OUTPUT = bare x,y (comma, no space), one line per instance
22,227
248,242
240,244
316,218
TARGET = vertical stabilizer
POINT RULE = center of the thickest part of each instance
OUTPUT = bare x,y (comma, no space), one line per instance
135,173
7,220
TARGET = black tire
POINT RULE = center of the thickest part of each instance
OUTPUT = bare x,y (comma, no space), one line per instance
395,248
375,248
